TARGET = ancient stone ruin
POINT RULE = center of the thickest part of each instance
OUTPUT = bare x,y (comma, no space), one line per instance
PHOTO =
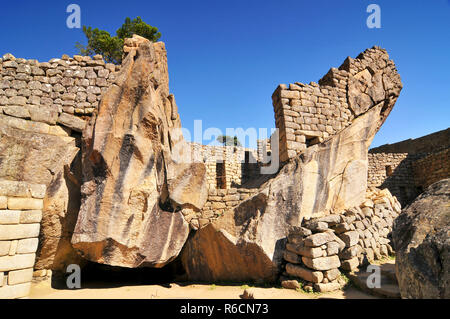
94,167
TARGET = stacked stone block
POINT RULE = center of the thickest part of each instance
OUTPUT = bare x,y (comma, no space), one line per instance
313,257
317,252
307,114
219,202
20,215
431,168
233,158
400,181
62,91
430,143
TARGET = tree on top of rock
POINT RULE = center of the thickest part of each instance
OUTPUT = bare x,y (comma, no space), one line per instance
101,42
228,140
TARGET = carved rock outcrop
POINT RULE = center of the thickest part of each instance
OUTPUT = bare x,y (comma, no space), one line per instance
136,182
421,237
329,177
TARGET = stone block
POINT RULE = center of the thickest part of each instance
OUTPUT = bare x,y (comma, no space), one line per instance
3,202
4,247
9,232
72,122
290,284
15,291
341,228
331,220
30,216
38,190
17,100
318,239
44,114
13,248
25,203
16,111
8,263
331,274
290,94
350,238
298,233
350,264
322,263
291,257
303,250
9,217
331,286
27,246
317,226
350,252
12,188
332,248
20,276
304,273
218,205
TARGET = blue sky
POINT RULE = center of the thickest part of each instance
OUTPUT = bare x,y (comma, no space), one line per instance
227,57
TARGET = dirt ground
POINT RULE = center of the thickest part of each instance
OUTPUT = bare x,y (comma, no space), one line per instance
43,290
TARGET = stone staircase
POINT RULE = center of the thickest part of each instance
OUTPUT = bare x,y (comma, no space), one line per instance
389,285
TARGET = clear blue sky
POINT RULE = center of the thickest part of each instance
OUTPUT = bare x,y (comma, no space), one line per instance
227,57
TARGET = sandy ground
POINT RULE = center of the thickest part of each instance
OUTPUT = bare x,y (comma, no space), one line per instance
43,290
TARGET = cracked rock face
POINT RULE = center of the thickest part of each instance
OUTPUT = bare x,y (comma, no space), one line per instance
247,243
421,237
135,189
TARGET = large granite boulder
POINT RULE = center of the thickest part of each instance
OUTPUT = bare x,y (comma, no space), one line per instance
247,243
136,182
421,237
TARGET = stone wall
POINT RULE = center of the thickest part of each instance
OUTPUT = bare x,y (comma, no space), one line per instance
422,145
239,164
317,252
306,114
431,168
264,149
21,206
393,171
407,168
62,91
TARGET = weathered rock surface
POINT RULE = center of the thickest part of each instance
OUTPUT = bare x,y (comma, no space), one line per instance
248,242
31,152
421,236
135,187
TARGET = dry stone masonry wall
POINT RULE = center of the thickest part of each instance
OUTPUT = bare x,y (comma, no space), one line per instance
317,252
394,172
21,206
62,91
408,167
306,114
422,145
226,166
431,168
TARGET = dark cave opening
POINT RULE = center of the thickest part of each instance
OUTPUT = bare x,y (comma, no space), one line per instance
98,276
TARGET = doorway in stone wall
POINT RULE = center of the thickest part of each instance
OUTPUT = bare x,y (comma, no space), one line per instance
221,179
